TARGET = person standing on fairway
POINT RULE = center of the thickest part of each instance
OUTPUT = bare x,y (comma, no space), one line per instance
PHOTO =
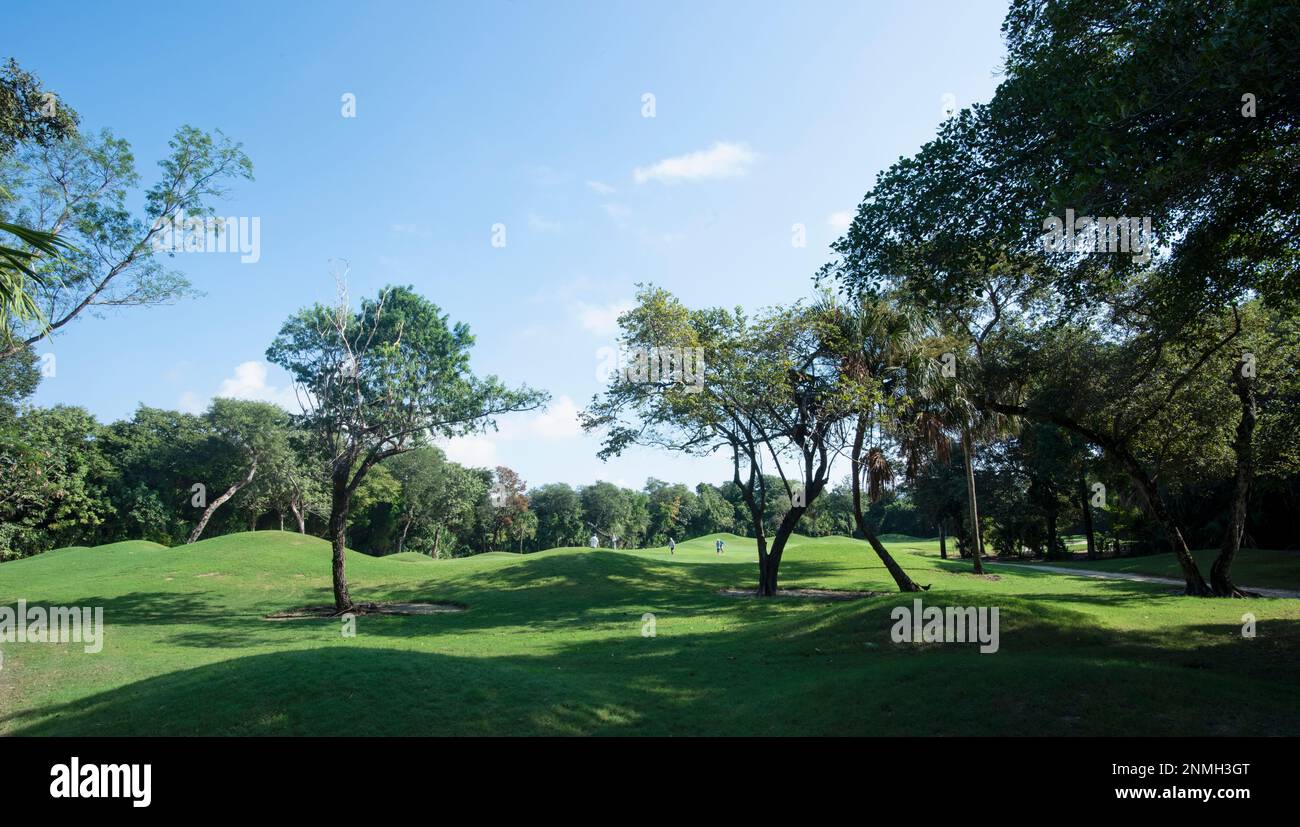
672,546
595,541
717,546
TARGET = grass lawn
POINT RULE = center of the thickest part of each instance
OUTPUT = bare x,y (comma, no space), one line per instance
552,643
1263,568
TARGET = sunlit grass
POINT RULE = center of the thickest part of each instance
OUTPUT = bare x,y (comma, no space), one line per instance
552,643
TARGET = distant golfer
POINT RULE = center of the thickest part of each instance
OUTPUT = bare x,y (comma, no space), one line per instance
672,546
594,542
717,546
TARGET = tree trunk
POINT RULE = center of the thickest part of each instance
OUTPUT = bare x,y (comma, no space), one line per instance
1086,510
297,515
215,504
767,582
943,542
766,576
340,499
401,541
281,513
1196,585
437,539
1221,570
903,582
977,542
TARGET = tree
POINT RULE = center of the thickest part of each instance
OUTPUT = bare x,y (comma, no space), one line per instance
939,491
1268,391
290,479
604,508
877,344
76,188
770,394
671,508
713,514
420,474
507,503
28,116
251,430
51,480
376,383
1187,116
950,229
155,458
559,515
523,526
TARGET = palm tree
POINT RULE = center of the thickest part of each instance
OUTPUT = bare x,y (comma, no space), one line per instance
943,403
875,340
19,277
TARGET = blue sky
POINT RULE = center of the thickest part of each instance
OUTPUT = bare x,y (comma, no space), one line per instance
527,114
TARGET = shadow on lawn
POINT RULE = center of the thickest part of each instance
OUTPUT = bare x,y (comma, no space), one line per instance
834,671
736,683
792,668
542,594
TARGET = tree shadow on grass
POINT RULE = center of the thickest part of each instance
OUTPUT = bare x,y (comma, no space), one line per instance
1058,672
785,668
553,593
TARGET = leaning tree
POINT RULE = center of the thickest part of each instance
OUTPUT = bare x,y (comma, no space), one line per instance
381,380
771,393
248,433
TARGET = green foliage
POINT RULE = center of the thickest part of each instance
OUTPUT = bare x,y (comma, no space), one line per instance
559,516
77,187
51,478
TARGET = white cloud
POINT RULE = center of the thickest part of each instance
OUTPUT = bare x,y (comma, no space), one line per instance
840,221
249,381
601,320
558,422
722,160
600,188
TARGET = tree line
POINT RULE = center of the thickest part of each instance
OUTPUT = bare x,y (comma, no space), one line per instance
1088,280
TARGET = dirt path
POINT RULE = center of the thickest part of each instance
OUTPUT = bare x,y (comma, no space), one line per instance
1141,578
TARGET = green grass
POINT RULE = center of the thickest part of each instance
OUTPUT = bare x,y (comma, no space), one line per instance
1263,568
551,643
